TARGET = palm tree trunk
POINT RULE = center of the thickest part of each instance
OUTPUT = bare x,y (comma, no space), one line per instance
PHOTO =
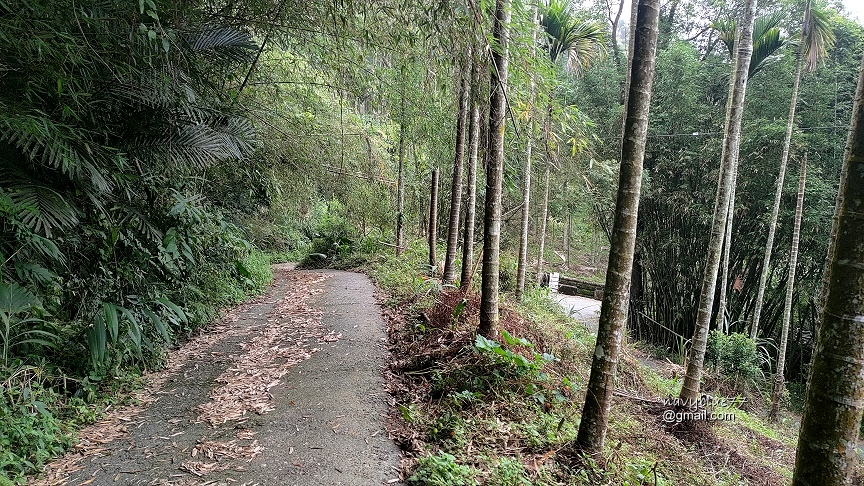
631,38
616,292
775,210
494,175
433,220
616,51
779,384
522,264
826,272
449,273
471,203
834,403
400,180
544,218
727,251
731,145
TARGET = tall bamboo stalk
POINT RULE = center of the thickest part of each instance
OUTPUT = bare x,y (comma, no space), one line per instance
727,251
433,220
400,179
449,274
522,264
544,220
471,198
778,194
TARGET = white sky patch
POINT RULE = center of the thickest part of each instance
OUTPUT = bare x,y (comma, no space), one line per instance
856,8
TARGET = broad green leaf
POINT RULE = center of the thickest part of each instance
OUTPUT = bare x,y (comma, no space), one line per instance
15,299
160,326
112,321
173,308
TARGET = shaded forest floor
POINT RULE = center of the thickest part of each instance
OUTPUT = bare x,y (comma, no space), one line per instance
505,413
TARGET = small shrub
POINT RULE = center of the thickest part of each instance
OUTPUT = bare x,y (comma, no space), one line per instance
733,354
508,273
509,472
796,395
31,433
450,429
507,357
441,470
547,430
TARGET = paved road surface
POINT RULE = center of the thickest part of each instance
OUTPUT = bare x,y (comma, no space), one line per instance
314,416
580,308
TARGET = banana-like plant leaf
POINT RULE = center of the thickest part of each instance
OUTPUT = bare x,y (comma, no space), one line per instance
160,326
96,341
171,306
15,299
112,321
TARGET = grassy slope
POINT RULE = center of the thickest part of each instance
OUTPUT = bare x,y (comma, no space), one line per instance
466,416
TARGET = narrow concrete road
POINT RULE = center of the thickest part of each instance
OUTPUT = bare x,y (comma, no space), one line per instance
582,309
337,401
286,390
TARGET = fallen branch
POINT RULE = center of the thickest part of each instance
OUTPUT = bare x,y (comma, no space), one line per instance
638,399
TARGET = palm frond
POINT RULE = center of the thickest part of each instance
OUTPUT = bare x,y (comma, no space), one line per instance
765,23
200,145
817,36
570,37
767,40
765,50
42,209
228,42
15,299
726,33
41,140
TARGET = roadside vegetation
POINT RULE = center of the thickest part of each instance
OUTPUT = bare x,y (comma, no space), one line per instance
475,411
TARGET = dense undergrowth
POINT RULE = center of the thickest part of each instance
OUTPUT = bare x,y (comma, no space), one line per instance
114,238
475,411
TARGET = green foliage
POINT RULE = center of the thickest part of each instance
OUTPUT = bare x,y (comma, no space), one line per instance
733,354
441,470
335,242
509,472
449,429
574,40
16,328
113,119
547,430
31,434
332,235
507,357
767,40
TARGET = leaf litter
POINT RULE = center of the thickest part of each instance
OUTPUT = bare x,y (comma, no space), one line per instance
268,352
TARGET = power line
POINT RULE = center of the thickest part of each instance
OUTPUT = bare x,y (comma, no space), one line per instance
713,134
